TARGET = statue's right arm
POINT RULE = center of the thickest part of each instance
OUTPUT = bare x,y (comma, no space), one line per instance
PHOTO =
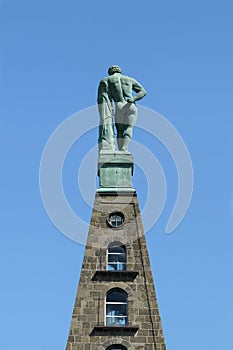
104,100
102,92
138,88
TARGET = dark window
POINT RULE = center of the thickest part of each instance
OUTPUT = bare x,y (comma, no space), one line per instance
116,347
116,308
116,257
116,219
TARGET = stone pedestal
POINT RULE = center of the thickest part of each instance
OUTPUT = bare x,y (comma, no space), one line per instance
89,327
99,323
115,171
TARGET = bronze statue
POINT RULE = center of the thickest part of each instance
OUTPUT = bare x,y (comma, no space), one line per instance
119,89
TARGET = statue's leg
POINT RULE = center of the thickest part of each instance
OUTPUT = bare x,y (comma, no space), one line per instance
120,135
125,144
120,126
129,124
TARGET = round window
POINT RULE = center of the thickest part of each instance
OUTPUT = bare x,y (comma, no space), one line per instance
116,219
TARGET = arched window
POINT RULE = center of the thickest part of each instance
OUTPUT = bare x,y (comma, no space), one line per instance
116,347
116,257
116,308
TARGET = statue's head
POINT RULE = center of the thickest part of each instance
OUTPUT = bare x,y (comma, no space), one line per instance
114,69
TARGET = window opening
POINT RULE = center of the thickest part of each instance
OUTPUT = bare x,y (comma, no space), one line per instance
116,347
116,219
116,257
116,308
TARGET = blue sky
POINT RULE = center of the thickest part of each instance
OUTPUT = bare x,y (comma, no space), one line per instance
52,56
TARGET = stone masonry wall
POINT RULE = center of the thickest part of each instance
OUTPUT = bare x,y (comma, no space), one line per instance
89,308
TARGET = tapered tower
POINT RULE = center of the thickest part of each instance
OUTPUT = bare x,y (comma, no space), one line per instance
116,305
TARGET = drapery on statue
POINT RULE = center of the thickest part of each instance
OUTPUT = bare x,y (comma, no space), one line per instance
119,89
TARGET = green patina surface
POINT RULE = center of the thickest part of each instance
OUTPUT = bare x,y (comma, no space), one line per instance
115,170
117,95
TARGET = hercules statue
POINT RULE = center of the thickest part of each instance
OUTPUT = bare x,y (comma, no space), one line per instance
119,89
